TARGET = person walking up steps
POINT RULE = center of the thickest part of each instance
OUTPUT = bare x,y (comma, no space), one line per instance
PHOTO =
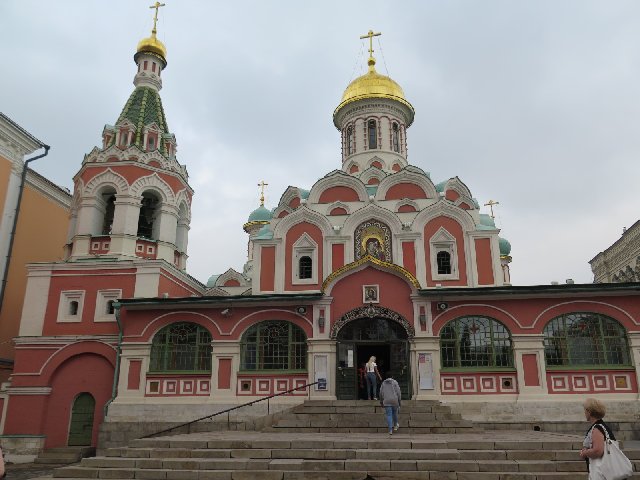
390,399
372,378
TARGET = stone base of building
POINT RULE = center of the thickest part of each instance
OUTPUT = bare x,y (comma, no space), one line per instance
21,448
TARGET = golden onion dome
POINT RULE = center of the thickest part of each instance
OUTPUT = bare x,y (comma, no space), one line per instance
373,85
152,45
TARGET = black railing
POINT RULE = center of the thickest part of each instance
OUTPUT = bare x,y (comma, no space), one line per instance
229,410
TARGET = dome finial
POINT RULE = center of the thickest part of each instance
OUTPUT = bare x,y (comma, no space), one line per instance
262,185
372,61
157,6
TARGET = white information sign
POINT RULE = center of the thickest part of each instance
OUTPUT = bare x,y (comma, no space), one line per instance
320,369
425,371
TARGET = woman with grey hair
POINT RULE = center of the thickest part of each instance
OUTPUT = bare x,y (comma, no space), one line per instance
593,445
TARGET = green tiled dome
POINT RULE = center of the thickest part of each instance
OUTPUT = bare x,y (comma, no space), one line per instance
505,246
143,108
260,214
212,281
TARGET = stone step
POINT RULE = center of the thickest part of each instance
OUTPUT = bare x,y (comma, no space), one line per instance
63,455
360,475
191,442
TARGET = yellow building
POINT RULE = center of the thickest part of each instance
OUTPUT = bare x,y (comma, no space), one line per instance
42,210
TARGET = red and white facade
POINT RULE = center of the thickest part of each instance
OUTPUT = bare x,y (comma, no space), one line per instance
374,240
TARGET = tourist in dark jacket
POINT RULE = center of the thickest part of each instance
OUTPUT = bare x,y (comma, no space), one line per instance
391,399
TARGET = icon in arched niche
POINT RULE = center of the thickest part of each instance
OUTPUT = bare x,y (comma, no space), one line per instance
373,238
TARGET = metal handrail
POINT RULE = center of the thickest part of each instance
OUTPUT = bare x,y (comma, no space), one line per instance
228,410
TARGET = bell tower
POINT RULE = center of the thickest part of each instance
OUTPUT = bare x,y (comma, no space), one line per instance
131,196
373,117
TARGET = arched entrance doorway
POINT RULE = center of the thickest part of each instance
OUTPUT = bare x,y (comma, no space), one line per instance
371,331
81,424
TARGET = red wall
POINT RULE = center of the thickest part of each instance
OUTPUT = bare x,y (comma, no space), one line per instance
267,269
394,293
409,256
337,256
90,284
405,190
335,194
484,261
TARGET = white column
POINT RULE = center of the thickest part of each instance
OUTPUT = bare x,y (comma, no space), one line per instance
317,351
429,346
9,212
167,219
129,353
530,345
225,351
634,344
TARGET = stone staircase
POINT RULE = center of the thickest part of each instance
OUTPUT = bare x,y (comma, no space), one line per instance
347,441
362,416
342,456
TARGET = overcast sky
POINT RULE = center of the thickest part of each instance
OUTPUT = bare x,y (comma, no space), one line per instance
534,104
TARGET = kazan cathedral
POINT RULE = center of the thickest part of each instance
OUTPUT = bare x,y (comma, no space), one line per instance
375,258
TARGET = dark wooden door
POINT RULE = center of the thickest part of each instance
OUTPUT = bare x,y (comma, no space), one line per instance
346,373
81,425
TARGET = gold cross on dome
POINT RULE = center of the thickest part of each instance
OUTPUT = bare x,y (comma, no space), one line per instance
490,204
157,6
370,36
262,185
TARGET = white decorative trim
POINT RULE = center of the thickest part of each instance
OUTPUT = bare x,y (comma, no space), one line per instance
231,274
443,241
155,183
29,390
458,186
407,175
406,201
64,306
337,178
107,177
302,215
102,299
335,205
304,246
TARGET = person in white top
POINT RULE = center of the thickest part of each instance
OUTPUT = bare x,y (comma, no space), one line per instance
372,376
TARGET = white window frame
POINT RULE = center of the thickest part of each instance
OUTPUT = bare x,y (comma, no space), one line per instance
66,297
304,247
443,241
102,299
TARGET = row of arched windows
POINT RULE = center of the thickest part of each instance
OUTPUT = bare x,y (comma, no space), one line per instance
271,345
372,137
581,339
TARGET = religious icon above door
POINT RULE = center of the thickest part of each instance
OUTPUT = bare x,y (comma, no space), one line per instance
373,238
370,294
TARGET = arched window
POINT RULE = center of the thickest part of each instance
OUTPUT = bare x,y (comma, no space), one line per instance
349,140
395,137
585,339
305,267
474,341
73,307
274,345
182,347
148,212
109,211
373,134
444,263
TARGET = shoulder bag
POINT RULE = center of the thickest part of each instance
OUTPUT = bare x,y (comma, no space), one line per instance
614,465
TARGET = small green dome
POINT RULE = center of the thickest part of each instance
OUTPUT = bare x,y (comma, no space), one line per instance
260,214
487,220
505,246
212,281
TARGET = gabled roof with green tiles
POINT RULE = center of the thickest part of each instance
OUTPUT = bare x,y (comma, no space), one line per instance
143,108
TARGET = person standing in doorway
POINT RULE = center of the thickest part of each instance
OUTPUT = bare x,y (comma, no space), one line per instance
372,378
390,399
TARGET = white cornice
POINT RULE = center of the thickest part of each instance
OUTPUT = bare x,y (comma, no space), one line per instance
48,189
63,340
14,135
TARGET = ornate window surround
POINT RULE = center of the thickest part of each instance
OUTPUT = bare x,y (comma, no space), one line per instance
443,241
305,246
